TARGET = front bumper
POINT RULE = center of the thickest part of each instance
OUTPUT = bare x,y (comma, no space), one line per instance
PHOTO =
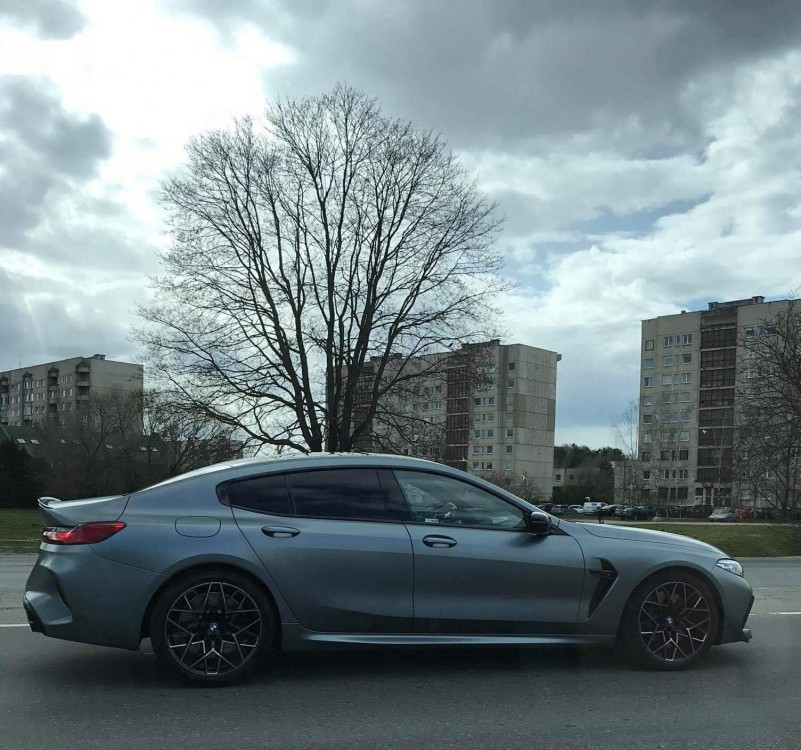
737,598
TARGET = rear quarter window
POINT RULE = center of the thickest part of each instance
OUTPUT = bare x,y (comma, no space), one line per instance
267,494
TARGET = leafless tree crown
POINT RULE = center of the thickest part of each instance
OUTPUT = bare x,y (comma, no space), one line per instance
313,258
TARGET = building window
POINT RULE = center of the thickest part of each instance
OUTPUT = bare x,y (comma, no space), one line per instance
647,418
684,473
437,389
476,450
667,361
749,333
558,477
667,380
649,382
649,345
507,466
476,434
648,363
686,339
508,449
686,377
477,402
488,449
684,436
511,367
510,383
510,400
667,341
684,416
647,400
646,437
684,455
646,474
685,397
475,465
509,416
510,432
686,359
646,456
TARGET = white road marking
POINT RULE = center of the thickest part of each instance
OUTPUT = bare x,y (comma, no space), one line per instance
15,625
784,613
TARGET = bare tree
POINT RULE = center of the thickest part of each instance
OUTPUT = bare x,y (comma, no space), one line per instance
313,261
187,436
628,472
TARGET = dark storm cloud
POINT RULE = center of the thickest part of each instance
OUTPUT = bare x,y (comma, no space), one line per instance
503,72
48,19
44,149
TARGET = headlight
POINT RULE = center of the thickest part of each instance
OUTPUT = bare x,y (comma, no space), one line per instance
731,565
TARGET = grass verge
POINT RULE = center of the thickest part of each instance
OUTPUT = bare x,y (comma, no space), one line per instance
20,529
739,540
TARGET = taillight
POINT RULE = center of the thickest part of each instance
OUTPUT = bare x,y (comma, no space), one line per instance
84,533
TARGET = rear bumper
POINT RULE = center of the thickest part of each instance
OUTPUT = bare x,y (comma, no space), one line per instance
76,595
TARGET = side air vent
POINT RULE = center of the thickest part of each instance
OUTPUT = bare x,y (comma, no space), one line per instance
606,576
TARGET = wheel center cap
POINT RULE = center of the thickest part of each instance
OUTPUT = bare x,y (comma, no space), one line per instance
213,629
669,621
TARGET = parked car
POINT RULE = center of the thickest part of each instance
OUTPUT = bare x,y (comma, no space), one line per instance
724,514
637,513
559,510
608,510
577,509
223,565
746,513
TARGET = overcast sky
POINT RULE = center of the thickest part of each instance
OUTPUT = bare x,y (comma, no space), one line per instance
647,155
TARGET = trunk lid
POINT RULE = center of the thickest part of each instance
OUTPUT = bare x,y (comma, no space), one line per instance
70,513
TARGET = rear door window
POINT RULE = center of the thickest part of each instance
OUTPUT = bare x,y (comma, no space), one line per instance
339,493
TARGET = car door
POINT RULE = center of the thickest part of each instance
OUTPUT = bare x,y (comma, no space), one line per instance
332,546
476,567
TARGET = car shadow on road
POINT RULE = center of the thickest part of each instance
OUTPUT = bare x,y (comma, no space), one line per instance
102,668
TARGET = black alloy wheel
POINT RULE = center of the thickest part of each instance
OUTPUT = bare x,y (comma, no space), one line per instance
212,627
670,621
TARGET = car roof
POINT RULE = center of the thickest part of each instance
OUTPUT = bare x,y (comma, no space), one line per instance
301,460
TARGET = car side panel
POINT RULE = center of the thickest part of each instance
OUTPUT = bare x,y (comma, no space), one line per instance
152,541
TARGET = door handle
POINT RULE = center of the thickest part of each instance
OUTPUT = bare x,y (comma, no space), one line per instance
438,542
280,532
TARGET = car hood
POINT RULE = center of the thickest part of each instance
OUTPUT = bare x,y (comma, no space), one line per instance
628,534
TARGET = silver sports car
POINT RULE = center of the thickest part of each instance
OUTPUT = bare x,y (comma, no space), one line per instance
221,566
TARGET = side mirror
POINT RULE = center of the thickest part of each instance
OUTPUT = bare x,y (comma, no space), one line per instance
539,523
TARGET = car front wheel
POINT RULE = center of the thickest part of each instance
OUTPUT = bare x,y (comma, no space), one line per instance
670,621
212,627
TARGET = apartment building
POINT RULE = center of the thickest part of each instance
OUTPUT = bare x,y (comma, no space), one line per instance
688,399
501,422
31,394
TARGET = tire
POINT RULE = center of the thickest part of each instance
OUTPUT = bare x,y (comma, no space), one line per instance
212,627
670,621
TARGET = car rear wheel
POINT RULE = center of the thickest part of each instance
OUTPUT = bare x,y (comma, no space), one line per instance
212,627
670,621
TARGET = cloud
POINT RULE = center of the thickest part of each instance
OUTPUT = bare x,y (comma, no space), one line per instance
91,319
45,151
48,19
508,72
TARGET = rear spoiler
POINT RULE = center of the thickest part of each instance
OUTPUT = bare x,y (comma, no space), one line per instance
46,502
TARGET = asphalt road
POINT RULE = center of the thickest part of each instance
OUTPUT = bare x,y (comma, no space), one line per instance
64,695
